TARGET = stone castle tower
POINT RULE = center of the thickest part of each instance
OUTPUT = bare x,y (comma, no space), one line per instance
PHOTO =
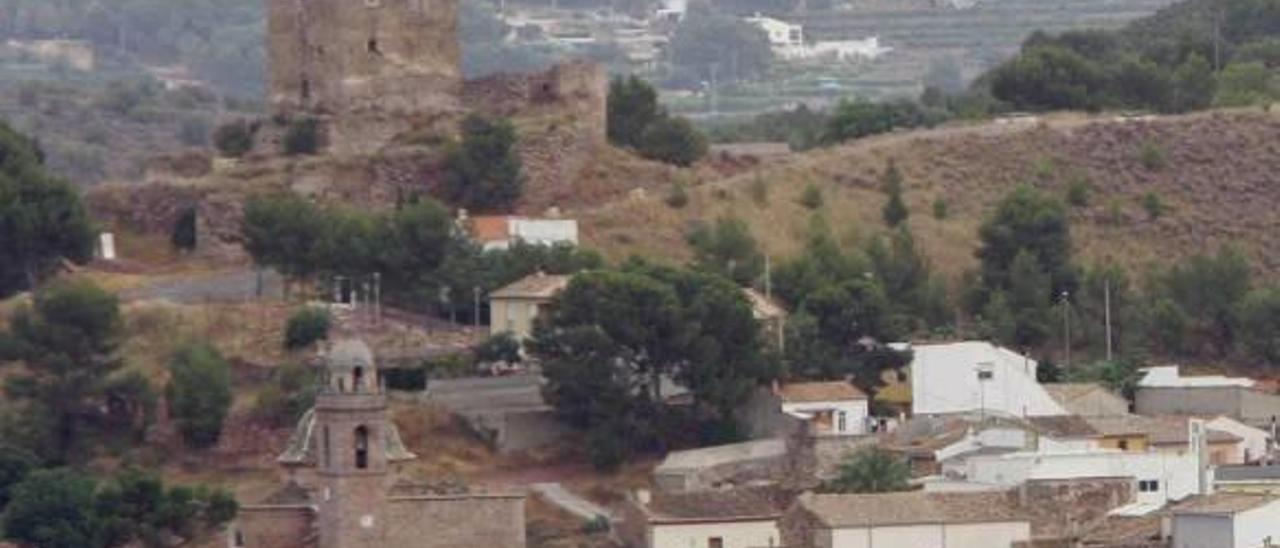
344,491
370,69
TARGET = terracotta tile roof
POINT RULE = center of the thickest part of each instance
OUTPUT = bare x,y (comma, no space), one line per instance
1063,426
802,392
533,286
1224,503
725,504
1159,430
909,508
488,228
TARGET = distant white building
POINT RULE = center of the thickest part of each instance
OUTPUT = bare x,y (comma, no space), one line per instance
834,408
911,519
1168,376
1227,520
782,35
788,42
977,377
493,232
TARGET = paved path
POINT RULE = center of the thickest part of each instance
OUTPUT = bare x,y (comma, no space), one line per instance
229,286
556,494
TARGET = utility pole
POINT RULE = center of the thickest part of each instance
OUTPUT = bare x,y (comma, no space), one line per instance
1066,326
768,278
377,298
1106,299
475,298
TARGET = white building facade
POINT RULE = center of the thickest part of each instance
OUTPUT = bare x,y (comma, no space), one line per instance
1228,521
977,377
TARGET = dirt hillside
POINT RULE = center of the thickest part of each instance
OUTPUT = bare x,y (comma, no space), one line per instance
1216,175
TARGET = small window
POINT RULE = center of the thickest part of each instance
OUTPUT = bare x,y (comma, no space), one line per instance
1148,486
840,421
373,46
1123,445
239,539
715,542
357,379
362,447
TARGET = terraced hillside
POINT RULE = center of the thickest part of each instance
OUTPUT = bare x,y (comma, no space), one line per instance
974,38
1214,173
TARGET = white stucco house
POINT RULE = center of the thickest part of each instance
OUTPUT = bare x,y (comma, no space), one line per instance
834,408
513,308
745,517
912,519
1227,520
1159,477
497,232
977,377
1254,444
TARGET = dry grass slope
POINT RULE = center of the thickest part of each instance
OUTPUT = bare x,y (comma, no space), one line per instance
1215,173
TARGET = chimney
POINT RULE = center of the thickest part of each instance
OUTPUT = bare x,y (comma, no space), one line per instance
777,389
462,215
644,497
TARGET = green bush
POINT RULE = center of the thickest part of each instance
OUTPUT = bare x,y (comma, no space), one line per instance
1153,157
290,393
305,327
1078,193
940,208
677,197
596,525
234,139
302,137
672,140
811,197
199,394
1153,205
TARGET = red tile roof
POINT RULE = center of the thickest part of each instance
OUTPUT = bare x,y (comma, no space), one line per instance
488,228
803,392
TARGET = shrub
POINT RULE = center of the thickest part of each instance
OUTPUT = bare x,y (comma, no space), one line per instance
871,471
1078,193
811,197
199,394
483,171
290,393
234,139
677,197
1152,156
1153,205
503,348
302,137
940,208
305,327
596,525
672,140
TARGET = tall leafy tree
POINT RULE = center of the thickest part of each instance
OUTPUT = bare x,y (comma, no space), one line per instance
632,107
68,338
726,247
1260,325
42,220
54,509
199,394
1027,220
483,171
727,49
871,471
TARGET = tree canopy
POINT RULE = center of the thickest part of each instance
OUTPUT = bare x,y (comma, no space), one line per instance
42,220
